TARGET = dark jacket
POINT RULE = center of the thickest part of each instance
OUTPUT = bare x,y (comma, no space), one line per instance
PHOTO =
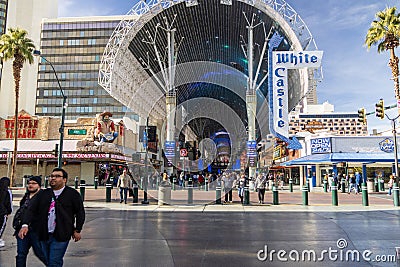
70,214
5,203
24,204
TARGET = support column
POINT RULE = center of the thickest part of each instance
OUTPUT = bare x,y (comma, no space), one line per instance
170,108
318,175
251,103
313,176
364,173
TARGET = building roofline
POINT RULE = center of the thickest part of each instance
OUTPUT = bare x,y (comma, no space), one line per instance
90,18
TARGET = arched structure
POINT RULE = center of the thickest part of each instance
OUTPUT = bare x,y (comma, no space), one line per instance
212,31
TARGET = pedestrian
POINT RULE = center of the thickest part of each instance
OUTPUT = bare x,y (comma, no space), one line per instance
228,184
358,182
123,184
34,184
330,181
241,185
260,187
390,184
5,205
57,214
352,181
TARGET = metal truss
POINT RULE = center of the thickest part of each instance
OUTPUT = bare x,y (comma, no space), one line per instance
142,12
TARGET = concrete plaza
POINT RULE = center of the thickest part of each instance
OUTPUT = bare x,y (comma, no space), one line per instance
231,235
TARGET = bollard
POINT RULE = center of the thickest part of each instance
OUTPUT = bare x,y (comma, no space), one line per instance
246,200
364,194
395,194
382,185
173,183
76,182
376,184
218,195
108,192
325,186
82,189
96,182
46,182
112,182
308,184
135,193
275,197
334,194
206,183
343,185
291,185
305,195
190,193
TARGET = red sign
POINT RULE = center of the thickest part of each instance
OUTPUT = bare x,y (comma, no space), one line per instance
183,152
27,127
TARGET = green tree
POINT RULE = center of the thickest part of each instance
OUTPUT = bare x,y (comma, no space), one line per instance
16,46
385,33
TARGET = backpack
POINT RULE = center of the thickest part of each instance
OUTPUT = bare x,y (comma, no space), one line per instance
17,220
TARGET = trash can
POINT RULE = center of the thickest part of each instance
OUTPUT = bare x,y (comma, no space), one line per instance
370,185
164,193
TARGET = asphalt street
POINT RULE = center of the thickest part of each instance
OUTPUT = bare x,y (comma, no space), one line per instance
201,237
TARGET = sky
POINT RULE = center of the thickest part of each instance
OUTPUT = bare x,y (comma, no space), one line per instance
354,76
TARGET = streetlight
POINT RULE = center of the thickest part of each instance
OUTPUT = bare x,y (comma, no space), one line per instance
64,104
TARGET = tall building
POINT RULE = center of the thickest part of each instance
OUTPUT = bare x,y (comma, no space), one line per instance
28,15
322,118
75,47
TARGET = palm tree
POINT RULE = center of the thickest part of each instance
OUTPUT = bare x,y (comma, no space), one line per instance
385,33
15,46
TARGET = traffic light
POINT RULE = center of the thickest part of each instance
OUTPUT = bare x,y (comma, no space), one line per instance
380,109
55,150
362,116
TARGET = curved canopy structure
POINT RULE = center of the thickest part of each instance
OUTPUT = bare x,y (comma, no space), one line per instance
210,53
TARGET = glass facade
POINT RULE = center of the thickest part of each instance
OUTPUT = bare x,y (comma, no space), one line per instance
75,50
3,16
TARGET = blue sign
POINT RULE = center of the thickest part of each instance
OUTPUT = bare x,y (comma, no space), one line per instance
321,145
387,145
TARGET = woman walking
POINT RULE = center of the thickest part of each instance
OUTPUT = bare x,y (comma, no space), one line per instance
260,185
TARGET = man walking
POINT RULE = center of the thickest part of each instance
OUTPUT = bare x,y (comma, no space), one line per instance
31,239
123,185
57,214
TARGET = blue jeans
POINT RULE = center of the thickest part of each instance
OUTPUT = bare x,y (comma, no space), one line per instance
123,192
23,246
54,251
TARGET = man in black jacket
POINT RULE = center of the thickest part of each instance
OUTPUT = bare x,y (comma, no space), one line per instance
31,239
57,214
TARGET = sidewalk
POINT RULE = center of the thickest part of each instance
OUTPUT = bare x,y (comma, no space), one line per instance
204,201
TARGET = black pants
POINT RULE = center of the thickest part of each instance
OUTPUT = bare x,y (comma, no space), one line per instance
228,194
261,193
3,221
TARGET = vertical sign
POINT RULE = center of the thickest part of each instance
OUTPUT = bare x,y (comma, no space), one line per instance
252,153
281,62
170,152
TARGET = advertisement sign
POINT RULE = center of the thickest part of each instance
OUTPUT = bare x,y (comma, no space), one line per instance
321,145
170,151
387,145
281,62
252,153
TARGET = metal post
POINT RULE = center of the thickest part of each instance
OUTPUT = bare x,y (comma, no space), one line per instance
108,192
334,194
325,186
146,178
190,191
135,193
82,189
382,185
246,200
308,184
96,182
173,183
275,196
291,185
396,163
305,195
76,182
396,194
112,182
364,194
343,185
218,194
376,184
206,183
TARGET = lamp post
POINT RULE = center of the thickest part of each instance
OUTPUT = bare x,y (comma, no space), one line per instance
64,104
396,162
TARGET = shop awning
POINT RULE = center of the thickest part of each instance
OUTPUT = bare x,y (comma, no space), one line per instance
341,157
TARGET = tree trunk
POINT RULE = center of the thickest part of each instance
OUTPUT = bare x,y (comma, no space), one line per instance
17,66
394,65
